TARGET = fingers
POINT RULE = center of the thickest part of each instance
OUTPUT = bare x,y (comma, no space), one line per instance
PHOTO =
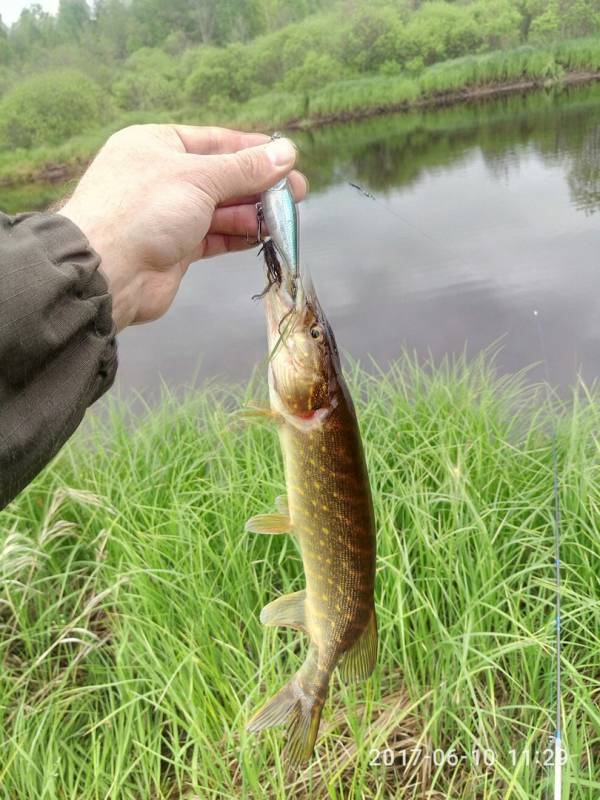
299,184
235,221
215,244
239,219
212,140
247,172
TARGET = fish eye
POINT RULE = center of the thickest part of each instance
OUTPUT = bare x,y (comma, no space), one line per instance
316,332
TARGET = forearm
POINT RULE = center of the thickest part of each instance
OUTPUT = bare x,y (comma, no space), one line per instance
57,346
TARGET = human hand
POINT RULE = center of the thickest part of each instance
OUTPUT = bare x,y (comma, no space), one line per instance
158,197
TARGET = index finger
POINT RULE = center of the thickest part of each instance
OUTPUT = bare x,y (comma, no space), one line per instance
211,140
299,184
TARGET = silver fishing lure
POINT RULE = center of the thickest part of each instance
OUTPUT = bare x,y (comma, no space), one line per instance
281,216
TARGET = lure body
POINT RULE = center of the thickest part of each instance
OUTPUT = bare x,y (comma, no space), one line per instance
281,216
328,509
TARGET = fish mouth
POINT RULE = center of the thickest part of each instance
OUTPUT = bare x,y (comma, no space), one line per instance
280,308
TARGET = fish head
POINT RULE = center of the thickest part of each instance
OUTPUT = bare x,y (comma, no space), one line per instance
304,362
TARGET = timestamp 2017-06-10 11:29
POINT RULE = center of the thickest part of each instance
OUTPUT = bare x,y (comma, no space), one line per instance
478,757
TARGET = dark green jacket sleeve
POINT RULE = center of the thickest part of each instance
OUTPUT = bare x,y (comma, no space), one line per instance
57,341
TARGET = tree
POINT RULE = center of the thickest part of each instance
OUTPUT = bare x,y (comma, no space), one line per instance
112,27
72,20
34,29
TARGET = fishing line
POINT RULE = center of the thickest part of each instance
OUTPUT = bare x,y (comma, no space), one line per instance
394,213
558,749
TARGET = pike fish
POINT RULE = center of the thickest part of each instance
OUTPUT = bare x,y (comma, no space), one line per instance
328,508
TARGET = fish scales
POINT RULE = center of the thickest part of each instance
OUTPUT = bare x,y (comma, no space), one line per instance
331,514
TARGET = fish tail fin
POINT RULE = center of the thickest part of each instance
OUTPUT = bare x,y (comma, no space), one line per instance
299,703
276,710
303,730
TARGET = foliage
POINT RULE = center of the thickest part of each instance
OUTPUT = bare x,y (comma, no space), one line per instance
131,647
225,72
317,70
49,108
151,79
227,61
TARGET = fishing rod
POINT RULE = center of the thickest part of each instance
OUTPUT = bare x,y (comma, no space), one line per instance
559,752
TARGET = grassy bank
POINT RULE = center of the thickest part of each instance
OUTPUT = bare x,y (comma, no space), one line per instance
131,648
453,81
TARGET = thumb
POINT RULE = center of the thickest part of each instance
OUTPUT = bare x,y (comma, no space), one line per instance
246,172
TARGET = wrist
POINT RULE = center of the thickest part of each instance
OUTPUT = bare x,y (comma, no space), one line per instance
124,284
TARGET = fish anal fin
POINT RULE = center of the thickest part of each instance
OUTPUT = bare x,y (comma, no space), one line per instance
269,523
281,504
358,662
286,611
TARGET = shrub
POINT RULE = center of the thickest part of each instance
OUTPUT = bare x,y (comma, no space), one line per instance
439,30
499,23
316,71
227,71
47,109
150,80
372,38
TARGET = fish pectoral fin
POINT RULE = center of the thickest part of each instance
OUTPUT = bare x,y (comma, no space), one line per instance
281,504
358,662
286,611
269,523
256,413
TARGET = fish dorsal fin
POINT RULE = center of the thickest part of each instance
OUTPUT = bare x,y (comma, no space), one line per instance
286,611
358,662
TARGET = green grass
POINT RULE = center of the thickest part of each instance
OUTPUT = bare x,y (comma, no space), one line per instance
130,642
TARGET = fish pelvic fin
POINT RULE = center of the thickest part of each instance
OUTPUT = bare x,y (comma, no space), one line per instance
281,504
358,662
300,703
287,611
269,523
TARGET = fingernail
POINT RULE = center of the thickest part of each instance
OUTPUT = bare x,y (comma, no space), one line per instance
281,152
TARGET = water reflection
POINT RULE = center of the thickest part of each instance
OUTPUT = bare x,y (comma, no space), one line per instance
584,173
483,214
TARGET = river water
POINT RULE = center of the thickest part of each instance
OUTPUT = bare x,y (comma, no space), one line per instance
482,214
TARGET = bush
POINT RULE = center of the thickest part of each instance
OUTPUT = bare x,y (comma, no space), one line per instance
499,23
150,80
207,82
438,31
372,38
227,71
47,109
317,70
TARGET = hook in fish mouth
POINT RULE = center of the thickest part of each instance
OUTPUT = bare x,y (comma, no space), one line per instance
274,273
277,275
